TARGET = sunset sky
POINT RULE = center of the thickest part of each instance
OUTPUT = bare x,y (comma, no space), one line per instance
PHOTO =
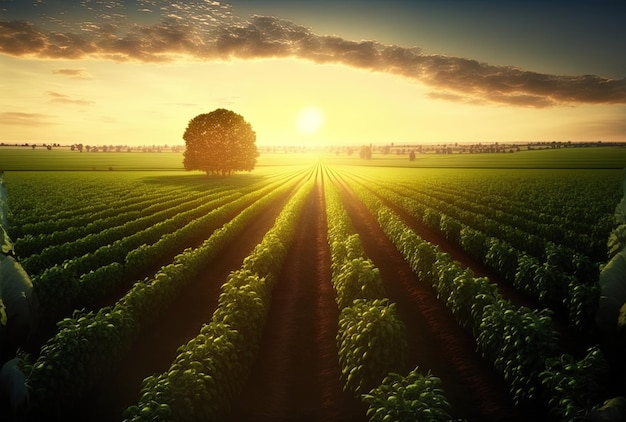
135,72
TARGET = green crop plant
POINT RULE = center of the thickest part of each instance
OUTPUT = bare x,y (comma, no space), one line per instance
572,387
372,343
415,397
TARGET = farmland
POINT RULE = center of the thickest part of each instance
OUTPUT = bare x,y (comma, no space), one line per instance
289,293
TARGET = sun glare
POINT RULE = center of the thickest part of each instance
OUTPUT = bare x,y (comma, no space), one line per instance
309,120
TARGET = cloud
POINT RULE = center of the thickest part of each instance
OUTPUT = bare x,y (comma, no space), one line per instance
64,99
24,119
449,96
18,38
74,73
210,31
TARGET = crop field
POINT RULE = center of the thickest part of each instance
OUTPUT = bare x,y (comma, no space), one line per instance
316,287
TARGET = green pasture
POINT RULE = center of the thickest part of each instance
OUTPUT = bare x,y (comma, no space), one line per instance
58,159
612,157
564,158
27,159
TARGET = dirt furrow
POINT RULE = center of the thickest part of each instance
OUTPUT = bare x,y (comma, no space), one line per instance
297,376
457,253
156,347
437,344
569,339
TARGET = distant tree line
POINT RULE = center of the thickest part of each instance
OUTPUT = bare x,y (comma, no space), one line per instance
79,147
364,151
412,150
125,148
33,145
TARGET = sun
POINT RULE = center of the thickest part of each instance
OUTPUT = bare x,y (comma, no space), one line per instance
309,120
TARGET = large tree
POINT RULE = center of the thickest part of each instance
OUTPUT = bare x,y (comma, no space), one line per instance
220,142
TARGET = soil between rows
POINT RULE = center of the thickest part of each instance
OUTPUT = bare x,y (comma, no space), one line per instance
569,339
156,347
437,344
297,375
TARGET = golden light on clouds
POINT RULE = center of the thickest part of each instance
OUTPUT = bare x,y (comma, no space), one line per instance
113,73
134,103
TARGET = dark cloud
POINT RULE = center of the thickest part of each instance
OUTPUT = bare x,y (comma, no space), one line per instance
24,119
209,31
65,99
20,38
24,39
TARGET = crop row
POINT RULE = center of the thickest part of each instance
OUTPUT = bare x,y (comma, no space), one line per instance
522,232
562,279
149,227
38,204
88,345
528,235
44,205
84,214
531,207
558,197
371,338
75,283
114,215
179,209
519,342
212,368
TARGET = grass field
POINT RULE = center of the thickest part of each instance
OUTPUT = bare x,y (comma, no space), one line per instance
25,159
602,157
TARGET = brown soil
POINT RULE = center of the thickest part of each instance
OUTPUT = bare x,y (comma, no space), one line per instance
47,329
569,339
437,344
297,374
457,253
156,347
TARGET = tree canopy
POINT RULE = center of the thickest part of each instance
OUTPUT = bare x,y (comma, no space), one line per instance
220,142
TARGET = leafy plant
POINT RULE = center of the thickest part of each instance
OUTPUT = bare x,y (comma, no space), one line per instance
517,341
358,279
213,366
474,242
372,343
412,398
573,387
